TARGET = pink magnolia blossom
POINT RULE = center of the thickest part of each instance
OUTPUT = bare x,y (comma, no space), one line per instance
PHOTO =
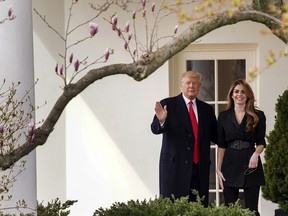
1,128
115,20
31,128
143,3
106,54
76,65
93,29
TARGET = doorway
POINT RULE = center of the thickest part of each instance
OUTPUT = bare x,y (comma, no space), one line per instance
220,65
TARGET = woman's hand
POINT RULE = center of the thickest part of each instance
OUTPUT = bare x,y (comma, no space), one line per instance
221,179
253,162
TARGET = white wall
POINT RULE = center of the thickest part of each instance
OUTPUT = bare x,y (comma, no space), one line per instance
51,158
103,150
111,153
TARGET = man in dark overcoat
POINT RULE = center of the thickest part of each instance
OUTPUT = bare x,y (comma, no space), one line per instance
179,172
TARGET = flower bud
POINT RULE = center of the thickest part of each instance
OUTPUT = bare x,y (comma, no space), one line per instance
93,29
114,20
71,58
129,36
134,15
56,68
176,29
153,7
61,70
143,3
106,54
76,65
1,128
127,26
126,45
119,31
10,12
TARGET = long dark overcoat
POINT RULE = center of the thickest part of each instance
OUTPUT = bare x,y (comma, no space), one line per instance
176,155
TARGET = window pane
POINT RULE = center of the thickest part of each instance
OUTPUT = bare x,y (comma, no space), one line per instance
222,107
228,72
206,68
212,197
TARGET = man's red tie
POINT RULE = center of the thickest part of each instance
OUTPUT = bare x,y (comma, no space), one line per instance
195,130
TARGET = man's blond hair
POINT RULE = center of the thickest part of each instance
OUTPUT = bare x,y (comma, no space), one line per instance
192,73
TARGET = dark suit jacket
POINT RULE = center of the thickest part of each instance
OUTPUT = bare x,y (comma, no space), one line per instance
176,156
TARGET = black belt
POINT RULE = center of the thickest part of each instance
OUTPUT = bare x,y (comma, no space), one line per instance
239,144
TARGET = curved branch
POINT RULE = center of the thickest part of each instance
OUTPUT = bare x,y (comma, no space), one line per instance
70,91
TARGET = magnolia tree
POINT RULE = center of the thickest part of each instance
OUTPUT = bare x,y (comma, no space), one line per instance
146,56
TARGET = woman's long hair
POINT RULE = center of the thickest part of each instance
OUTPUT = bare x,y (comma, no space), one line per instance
252,118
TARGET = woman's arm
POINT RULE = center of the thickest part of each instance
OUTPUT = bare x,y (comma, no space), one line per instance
261,143
220,155
253,162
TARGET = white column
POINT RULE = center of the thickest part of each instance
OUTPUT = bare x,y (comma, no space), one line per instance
16,44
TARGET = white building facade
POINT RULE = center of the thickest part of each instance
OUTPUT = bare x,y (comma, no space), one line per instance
102,150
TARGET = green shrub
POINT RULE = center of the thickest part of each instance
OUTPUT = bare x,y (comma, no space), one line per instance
55,208
166,207
276,157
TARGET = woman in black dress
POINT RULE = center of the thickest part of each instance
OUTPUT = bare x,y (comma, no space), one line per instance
241,140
